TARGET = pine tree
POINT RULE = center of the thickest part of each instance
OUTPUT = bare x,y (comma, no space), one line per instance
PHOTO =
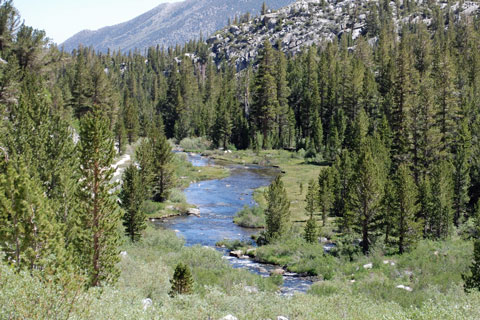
440,216
130,117
343,176
131,198
30,235
472,282
120,136
145,158
182,282
325,193
461,174
311,230
406,208
265,103
81,89
448,111
389,206
283,92
311,197
366,196
264,10
277,213
405,81
99,212
317,134
163,169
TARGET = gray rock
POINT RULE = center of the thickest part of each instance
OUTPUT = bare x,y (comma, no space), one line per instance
368,266
406,288
147,303
236,253
194,212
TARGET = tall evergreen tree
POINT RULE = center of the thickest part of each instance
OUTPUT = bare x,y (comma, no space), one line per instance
277,213
440,217
365,198
343,173
406,208
461,174
311,229
30,235
163,170
99,212
325,193
265,98
131,198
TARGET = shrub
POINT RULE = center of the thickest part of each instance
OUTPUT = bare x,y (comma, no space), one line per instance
250,217
195,144
151,207
177,196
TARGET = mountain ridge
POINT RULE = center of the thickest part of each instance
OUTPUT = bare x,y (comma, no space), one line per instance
168,24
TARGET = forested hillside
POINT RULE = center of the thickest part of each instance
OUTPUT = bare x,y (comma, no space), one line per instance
388,122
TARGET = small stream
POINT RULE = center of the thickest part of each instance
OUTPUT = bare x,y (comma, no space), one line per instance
218,201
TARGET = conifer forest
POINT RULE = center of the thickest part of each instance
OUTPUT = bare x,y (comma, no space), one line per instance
375,140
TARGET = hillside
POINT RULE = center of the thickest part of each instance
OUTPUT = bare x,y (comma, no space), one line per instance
168,24
307,22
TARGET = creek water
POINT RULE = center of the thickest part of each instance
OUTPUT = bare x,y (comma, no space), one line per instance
218,201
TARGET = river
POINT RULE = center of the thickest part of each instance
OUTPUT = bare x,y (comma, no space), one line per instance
218,201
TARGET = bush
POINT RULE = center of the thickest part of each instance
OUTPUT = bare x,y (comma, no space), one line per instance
250,217
151,207
195,144
323,289
177,196
300,257
233,244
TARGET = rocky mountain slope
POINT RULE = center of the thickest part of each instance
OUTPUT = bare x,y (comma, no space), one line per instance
306,22
169,24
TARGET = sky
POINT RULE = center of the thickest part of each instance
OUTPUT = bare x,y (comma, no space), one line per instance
61,19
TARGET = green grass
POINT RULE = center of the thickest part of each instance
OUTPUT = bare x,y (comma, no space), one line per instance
220,290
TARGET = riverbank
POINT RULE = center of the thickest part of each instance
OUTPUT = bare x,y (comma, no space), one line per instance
296,174
147,267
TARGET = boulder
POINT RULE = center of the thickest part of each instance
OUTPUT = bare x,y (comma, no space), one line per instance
282,318
278,271
194,212
368,266
229,317
236,253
